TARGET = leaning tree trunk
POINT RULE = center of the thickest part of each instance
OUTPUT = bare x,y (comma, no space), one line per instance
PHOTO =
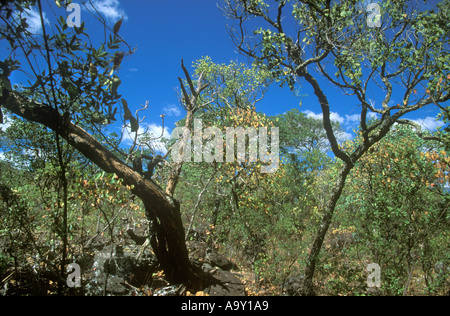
167,236
348,164
336,192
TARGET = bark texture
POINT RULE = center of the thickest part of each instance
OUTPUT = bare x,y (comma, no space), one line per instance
167,231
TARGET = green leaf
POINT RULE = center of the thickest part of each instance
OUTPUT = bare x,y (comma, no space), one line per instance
99,175
117,26
115,83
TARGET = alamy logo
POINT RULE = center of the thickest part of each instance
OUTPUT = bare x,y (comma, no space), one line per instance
208,145
74,18
74,278
374,17
374,278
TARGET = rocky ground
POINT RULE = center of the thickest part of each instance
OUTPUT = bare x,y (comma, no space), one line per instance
123,269
133,270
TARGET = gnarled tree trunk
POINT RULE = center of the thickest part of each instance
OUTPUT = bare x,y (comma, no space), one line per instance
167,239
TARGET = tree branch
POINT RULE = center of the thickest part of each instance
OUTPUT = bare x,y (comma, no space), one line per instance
419,131
84,143
326,118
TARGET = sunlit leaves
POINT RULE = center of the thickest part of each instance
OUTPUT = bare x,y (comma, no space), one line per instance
233,84
396,197
103,191
399,161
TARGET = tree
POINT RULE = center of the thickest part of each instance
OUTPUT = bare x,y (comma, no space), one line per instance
397,194
229,196
406,58
192,103
303,140
80,88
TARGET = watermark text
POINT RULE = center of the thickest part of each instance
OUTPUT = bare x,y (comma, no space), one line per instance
207,145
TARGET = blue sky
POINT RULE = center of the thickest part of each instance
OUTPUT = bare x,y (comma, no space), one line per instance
164,32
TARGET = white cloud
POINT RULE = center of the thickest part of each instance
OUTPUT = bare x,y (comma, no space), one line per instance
3,128
149,131
172,110
6,123
347,121
110,9
34,20
311,114
373,116
156,131
350,121
335,117
429,123
343,136
355,119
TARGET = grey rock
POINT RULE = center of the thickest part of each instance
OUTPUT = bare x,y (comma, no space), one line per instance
217,260
227,284
293,286
441,268
173,290
115,272
107,285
